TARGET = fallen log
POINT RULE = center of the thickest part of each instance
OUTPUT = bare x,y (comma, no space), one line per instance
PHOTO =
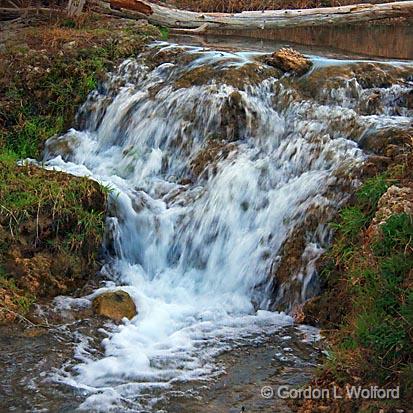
7,13
250,20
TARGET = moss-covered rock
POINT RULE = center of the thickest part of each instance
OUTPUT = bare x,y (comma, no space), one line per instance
208,157
378,142
114,305
237,76
363,82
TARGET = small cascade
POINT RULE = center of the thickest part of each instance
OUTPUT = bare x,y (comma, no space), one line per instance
220,171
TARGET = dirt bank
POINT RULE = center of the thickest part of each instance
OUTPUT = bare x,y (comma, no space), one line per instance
51,224
367,302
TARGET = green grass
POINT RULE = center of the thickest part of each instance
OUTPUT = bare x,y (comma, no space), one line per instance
371,191
354,217
51,229
376,337
42,101
73,204
397,235
51,223
62,90
352,220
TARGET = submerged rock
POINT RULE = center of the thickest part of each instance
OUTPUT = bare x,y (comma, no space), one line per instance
289,60
114,305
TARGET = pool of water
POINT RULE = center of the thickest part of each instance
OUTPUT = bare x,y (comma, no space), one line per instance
379,41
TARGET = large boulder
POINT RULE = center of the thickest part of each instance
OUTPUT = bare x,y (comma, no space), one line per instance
114,305
289,60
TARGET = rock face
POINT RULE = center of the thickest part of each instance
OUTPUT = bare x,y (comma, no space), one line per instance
395,201
378,142
289,60
114,305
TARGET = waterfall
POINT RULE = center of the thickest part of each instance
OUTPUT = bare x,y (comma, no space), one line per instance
209,180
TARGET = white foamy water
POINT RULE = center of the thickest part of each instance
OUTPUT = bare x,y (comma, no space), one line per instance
195,250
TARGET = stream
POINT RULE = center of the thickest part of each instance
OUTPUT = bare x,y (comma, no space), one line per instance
215,162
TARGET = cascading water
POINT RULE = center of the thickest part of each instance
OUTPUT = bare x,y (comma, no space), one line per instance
209,181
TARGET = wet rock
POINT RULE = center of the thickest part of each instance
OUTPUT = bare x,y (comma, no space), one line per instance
234,117
371,75
237,76
32,332
323,311
247,74
170,55
372,105
210,155
374,165
196,77
325,79
349,82
61,145
185,181
289,60
114,305
378,142
408,97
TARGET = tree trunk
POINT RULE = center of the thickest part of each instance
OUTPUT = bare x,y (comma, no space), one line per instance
251,20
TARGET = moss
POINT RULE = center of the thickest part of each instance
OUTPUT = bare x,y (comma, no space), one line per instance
18,302
239,77
164,32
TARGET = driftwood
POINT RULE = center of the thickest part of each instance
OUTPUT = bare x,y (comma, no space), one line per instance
7,13
252,20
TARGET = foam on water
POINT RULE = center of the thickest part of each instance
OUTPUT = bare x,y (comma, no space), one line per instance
196,254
